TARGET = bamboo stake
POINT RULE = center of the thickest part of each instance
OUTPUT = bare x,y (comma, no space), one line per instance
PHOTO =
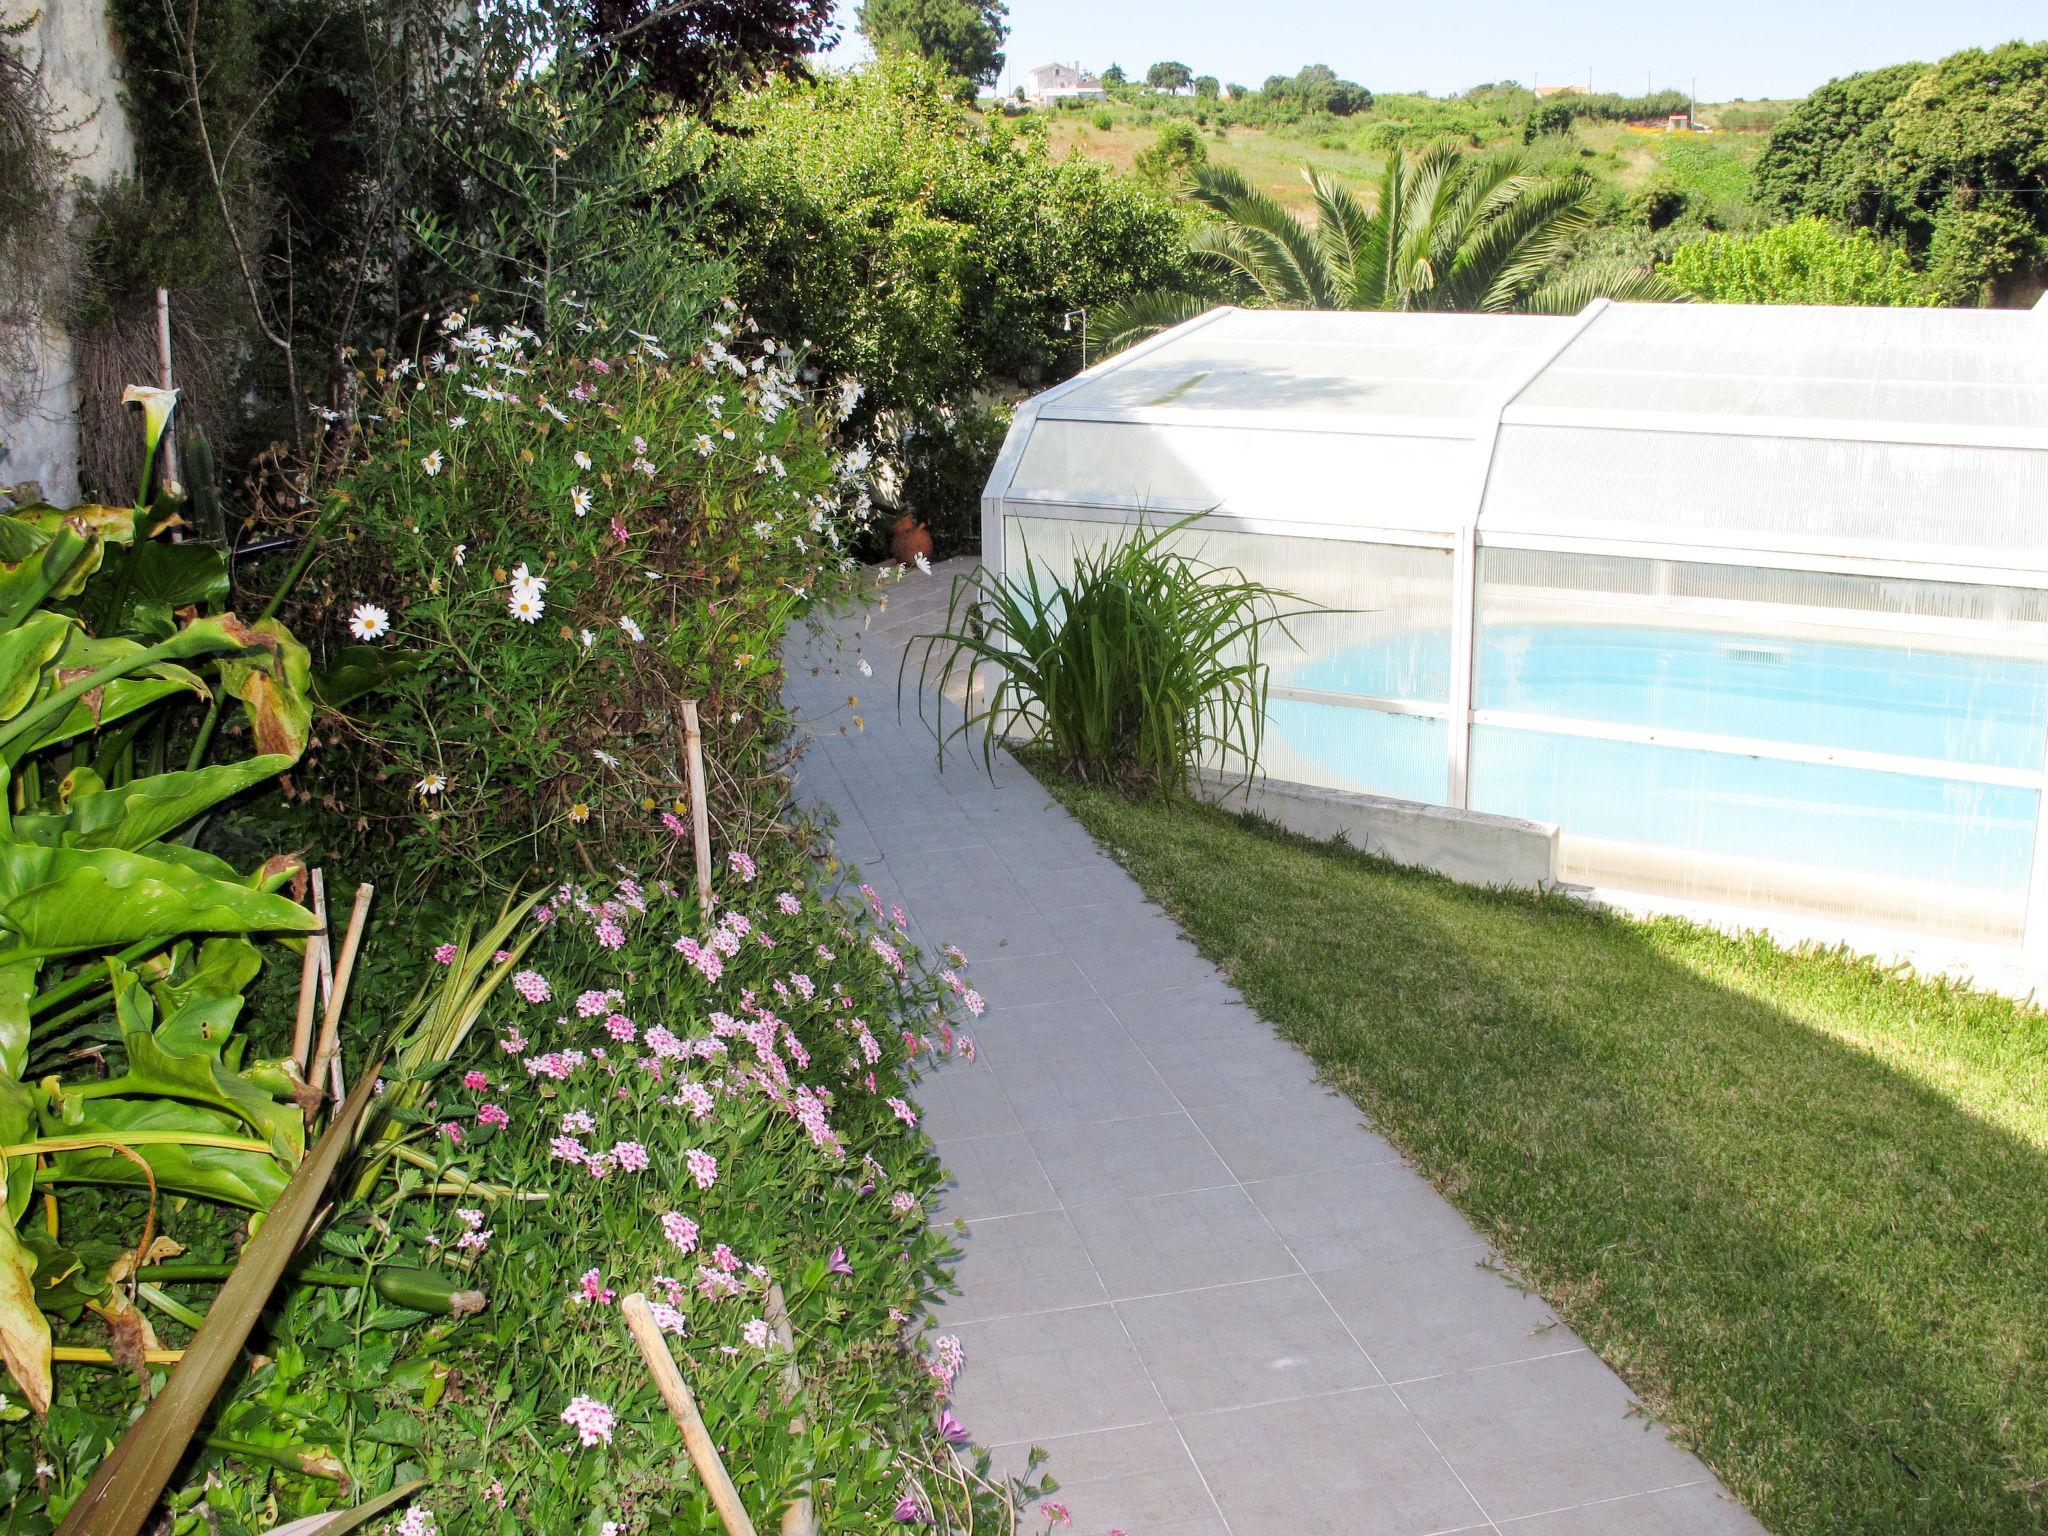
335,1082
682,1407
700,813
329,1026
169,450
801,1518
309,987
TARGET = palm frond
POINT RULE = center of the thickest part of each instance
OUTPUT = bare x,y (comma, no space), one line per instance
1113,327
1281,250
1626,284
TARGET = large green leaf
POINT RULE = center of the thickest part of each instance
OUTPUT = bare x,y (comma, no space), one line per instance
25,652
58,568
126,1487
143,810
24,1331
202,999
274,690
231,1175
360,670
17,988
58,900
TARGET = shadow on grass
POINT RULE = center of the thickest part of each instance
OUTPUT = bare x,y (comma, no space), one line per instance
1815,1264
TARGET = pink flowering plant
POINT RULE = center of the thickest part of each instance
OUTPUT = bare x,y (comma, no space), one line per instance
546,545
697,1112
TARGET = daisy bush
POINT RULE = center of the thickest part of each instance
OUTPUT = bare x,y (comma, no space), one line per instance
692,1112
535,550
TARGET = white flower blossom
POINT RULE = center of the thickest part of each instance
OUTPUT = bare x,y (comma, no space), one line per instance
432,463
633,630
369,622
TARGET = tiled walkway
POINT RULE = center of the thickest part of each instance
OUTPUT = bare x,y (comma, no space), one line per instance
1221,1303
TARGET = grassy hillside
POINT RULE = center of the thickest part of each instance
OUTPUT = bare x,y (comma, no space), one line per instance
1713,169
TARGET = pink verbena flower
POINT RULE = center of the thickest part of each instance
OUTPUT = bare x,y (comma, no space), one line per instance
973,1001
591,1288
610,935
475,1081
631,1156
532,986
680,1231
663,1042
444,954
492,1114
755,1332
789,904
667,1318
591,1419
579,1122
697,1099
742,866
903,1111
590,1004
703,1167
619,1027
569,1149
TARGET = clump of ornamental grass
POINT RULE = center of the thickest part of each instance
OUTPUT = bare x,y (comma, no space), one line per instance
535,550
1140,664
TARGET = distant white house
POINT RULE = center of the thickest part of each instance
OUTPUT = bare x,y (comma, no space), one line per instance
1054,82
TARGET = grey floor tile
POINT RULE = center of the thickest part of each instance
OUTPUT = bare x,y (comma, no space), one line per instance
1084,1089
1358,1215
1698,1509
1012,1264
1176,1016
1158,1155
1131,920
1017,930
956,1106
1152,1243
1042,1374
992,1176
1057,890
1354,1463
1139,1480
1316,1132
1234,1345
1545,1435
1027,1039
1025,981
1143,965
1439,1312
1250,1066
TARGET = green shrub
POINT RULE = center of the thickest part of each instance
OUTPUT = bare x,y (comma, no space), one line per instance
945,470
1808,261
1173,154
565,547
1141,666
1104,119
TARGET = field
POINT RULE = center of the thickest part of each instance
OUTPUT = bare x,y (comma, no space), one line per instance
1712,169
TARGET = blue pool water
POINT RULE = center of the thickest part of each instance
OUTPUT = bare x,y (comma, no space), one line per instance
1903,700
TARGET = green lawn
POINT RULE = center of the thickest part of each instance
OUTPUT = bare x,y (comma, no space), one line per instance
1801,1203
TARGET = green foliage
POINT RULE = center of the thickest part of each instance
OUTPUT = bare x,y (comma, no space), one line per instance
147,935
1447,231
1207,87
1139,665
1169,75
945,469
568,545
1316,88
1114,75
1550,116
1808,261
1176,153
924,252
1950,157
962,37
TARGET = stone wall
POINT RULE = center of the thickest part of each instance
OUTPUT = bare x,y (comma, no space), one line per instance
73,42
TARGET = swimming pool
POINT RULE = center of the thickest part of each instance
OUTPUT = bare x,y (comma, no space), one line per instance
1537,687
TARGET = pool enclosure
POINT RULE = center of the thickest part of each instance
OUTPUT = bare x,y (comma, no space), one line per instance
1751,601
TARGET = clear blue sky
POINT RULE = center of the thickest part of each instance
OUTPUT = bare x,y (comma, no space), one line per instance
1733,47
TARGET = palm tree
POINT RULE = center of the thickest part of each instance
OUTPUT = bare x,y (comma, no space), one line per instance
1447,231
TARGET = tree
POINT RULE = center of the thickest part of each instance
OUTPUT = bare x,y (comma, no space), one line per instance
1168,76
1177,152
1447,231
1952,158
697,52
1114,75
1808,261
963,37
1208,87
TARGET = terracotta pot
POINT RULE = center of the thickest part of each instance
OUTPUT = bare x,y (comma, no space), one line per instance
908,539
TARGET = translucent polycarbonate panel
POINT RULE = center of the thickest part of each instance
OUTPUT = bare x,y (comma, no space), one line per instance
1361,364
1916,370
1946,671
1967,506
1336,746
1379,619
1881,848
1339,478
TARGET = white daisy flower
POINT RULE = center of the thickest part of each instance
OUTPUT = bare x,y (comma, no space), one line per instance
923,564
526,605
632,629
865,669
582,459
587,638
432,463
369,622
462,554
704,445
604,757
579,499
458,422
431,785
522,577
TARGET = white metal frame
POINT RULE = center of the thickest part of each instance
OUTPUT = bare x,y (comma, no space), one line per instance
1467,538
